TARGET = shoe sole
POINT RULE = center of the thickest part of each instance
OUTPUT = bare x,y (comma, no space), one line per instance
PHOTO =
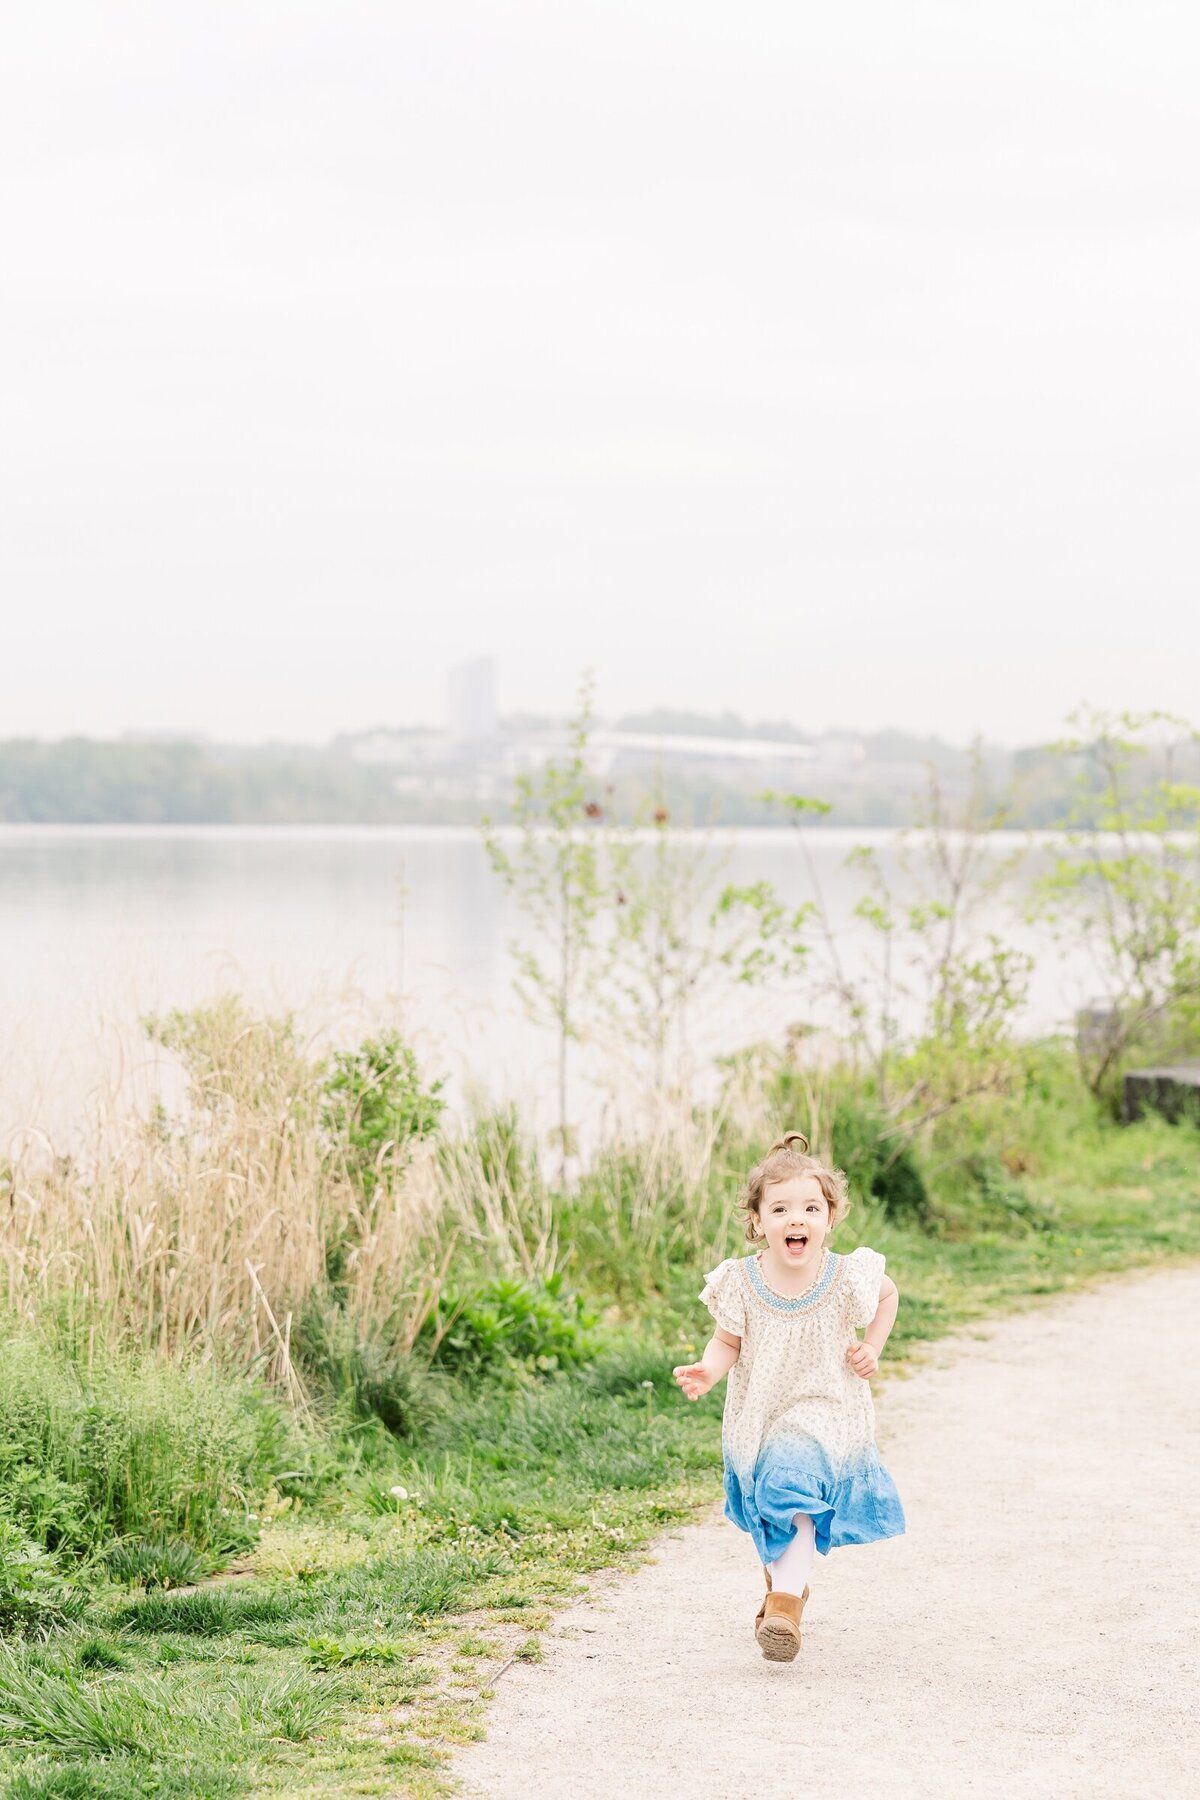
758,1617
778,1641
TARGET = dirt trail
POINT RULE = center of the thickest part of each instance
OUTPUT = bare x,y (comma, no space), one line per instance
1034,1635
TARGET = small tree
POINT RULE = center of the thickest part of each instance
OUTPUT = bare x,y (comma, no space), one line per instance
554,874
968,987
377,1109
1128,882
662,950
769,938
960,994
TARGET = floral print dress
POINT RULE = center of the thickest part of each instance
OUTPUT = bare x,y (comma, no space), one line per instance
799,1427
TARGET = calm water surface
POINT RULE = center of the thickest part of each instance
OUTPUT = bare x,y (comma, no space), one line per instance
102,925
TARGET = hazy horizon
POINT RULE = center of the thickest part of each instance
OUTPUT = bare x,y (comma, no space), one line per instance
818,364
506,721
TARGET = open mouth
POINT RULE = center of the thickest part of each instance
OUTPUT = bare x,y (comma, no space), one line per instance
796,1243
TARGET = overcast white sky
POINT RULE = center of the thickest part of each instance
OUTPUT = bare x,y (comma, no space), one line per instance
835,363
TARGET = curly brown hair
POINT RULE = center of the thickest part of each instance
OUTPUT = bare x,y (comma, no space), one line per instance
784,1159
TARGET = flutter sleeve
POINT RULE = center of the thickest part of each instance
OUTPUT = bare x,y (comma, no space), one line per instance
724,1296
864,1277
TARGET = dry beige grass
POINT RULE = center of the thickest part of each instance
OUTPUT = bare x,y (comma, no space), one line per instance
208,1228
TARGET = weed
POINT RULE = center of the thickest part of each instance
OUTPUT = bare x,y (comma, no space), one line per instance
99,1653
211,1612
413,1756
538,1324
34,1598
343,1653
156,1563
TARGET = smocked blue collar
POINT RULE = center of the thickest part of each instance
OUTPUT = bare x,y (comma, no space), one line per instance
803,1302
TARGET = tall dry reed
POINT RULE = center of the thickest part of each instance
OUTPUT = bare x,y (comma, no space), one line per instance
209,1230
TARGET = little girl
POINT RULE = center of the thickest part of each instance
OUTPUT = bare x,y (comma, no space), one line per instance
801,1469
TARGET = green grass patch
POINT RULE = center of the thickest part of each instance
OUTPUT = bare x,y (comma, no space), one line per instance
426,1524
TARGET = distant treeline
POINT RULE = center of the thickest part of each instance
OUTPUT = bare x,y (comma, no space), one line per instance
84,781
89,781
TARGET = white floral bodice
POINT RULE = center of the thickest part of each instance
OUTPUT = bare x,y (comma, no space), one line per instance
792,1382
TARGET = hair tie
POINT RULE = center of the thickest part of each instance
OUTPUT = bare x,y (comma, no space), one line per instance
789,1140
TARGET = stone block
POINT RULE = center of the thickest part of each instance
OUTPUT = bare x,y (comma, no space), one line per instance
1173,1091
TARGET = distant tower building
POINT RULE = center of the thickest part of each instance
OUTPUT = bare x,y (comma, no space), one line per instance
471,700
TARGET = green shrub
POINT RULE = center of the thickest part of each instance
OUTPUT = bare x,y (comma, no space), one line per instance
375,1108
34,1598
878,1164
380,1381
539,1325
1003,1198
138,1449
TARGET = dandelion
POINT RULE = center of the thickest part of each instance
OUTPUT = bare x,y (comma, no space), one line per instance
399,1493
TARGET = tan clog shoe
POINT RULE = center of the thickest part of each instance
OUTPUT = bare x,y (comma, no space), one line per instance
758,1617
778,1629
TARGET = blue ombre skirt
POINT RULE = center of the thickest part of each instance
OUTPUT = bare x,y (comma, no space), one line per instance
859,1506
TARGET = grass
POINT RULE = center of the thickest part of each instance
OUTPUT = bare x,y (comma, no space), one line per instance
234,1577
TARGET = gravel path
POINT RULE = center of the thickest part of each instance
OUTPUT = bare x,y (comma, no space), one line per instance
1034,1635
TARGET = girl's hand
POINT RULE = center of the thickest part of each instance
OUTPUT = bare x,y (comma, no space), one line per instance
694,1379
863,1360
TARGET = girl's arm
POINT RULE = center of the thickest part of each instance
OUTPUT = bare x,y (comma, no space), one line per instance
720,1354
864,1357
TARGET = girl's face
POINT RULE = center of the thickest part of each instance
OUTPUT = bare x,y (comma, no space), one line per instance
794,1219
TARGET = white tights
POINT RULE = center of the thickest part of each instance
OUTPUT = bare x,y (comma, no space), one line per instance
790,1571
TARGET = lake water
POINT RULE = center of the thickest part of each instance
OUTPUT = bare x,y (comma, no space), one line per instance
102,925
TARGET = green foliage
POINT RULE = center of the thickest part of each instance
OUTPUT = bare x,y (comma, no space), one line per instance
539,1325
99,1653
553,871
34,1597
1003,1199
506,1160
65,1712
210,1611
1129,883
151,1714
389,1595
770,940
131,1449
376,1109
125,1778
347,1653
381,1380
878,1162
662,954
155,1562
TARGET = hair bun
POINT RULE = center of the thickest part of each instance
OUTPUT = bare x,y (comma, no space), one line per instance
792,1140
